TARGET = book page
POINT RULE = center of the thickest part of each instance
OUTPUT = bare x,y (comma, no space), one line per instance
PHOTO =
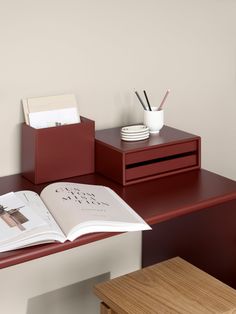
16,218
25,221
72,204
32,200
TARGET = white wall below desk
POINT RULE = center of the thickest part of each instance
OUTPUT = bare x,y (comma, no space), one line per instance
116,255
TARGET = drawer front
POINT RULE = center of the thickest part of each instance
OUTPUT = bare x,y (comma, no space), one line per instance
160,152
161,167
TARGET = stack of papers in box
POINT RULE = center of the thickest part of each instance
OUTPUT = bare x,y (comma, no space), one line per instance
44,112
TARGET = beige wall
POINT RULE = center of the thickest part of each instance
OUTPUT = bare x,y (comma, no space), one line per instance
103,50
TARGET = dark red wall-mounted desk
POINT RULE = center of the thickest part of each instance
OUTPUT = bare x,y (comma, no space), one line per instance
193,215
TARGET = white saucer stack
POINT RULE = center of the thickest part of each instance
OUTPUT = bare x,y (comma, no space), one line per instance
134,133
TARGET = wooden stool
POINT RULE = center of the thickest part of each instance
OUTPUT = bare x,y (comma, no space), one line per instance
172,286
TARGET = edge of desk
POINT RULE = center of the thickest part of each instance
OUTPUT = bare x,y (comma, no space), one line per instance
155,201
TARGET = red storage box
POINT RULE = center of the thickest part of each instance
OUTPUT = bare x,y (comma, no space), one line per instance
56,153
171,151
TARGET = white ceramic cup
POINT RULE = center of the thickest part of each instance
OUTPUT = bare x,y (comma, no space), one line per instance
154,119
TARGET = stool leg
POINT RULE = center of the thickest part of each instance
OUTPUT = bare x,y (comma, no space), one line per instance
104,309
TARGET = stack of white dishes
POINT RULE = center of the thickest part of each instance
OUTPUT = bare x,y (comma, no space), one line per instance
134,133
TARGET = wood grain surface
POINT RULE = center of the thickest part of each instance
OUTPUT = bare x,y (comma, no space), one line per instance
172,286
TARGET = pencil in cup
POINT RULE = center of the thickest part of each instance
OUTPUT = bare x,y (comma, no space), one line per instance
163,100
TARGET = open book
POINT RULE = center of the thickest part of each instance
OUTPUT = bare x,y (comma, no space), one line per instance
63,211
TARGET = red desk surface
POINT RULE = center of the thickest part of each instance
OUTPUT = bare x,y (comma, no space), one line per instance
155,201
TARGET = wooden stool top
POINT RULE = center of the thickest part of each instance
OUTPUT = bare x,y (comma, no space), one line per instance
172,286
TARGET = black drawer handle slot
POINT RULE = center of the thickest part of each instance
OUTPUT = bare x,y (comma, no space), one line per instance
152,161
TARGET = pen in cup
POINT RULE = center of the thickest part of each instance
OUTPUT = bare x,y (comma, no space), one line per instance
145,94
140,99
164,99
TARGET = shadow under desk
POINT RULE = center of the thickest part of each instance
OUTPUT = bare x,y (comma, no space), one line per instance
193,215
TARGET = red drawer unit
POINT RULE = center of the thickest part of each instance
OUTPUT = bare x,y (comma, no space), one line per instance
171,151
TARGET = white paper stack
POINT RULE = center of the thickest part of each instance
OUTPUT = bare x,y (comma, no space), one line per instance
44,112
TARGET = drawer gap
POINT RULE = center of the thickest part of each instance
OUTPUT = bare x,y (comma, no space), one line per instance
152,161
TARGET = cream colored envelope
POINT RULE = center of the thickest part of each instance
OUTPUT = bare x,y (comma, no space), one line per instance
48,103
